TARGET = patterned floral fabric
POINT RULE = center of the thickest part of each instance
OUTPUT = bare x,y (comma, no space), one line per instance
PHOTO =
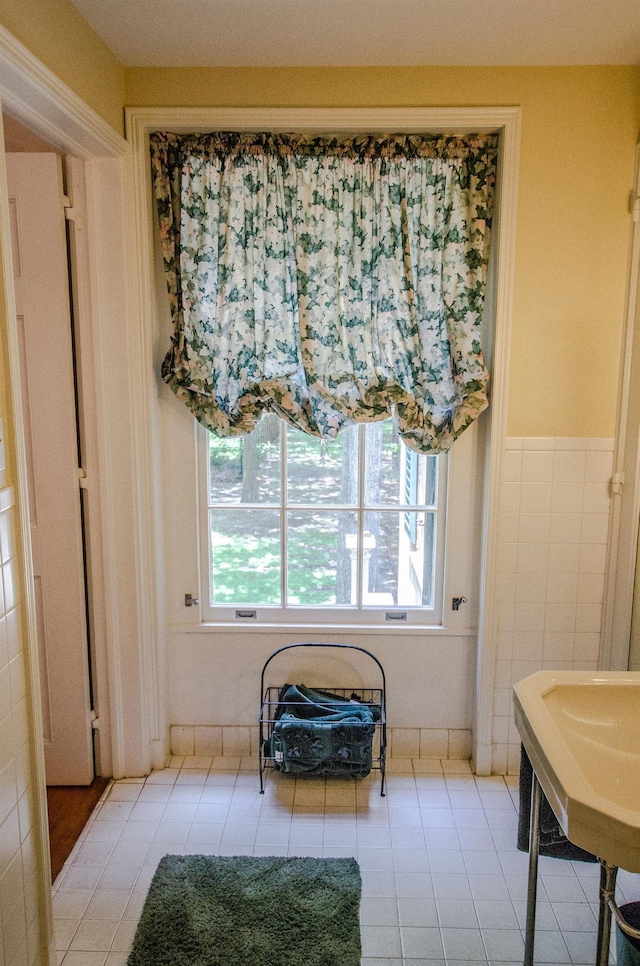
332,281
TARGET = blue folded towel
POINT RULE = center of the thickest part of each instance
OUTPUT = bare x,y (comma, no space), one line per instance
316,732
553,841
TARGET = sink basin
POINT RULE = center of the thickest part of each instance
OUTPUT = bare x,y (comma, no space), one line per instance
581,731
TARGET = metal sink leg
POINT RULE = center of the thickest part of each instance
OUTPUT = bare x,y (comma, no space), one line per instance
532,890
608,875
608,904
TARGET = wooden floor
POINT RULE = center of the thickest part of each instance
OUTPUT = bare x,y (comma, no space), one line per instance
69,809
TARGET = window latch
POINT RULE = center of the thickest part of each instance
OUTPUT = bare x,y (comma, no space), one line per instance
190,601
456,601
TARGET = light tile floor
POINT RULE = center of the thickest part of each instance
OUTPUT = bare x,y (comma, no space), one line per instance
442,879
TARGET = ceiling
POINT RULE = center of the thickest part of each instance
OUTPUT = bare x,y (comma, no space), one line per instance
180,33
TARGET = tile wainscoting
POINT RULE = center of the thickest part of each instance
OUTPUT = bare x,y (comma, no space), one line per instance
554,521
21,939
239,741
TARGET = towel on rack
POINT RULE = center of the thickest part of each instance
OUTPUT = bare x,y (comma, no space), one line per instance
553,841
303,702
316,732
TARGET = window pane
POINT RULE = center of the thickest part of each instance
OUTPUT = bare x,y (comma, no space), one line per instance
247,470
395,474
322,558
322,472
399,553
245,556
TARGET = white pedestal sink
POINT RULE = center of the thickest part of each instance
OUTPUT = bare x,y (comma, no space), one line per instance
581,731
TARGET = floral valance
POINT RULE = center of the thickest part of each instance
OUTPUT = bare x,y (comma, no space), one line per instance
329,280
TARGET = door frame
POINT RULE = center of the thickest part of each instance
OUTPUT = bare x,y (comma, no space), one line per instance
132,728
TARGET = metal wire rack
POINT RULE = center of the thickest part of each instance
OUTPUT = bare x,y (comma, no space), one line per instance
324,747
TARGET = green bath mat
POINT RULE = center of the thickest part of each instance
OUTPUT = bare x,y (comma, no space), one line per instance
205,910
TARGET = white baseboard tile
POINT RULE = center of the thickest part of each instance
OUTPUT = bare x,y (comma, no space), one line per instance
405,742
208,740
236,741
459,744
499,759
182,740
434,742
241,741
429,743
513,759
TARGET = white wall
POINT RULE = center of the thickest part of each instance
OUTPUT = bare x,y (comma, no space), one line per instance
215,681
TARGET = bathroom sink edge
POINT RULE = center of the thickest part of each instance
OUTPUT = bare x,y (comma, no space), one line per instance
580,810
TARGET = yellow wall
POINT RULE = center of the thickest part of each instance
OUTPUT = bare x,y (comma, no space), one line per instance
55,32
579,129
580,126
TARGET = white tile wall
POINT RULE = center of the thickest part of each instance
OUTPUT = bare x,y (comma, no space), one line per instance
20,927
554,518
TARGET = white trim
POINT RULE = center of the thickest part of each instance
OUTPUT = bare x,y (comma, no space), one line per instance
145,457
141,260
130,599
140,122
497,432
448,120
14,421
426,632
36,97
625,506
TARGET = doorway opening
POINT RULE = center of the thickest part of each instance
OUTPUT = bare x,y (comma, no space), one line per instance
46,196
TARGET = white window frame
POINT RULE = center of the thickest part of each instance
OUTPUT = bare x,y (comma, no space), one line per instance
385,615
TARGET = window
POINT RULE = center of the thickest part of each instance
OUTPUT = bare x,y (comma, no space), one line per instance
282,303
348,531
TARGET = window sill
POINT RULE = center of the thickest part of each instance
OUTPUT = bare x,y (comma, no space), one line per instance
381,630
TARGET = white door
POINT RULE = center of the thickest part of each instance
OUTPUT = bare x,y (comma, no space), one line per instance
44,323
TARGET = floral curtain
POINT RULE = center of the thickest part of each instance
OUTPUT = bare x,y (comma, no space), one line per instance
329,280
